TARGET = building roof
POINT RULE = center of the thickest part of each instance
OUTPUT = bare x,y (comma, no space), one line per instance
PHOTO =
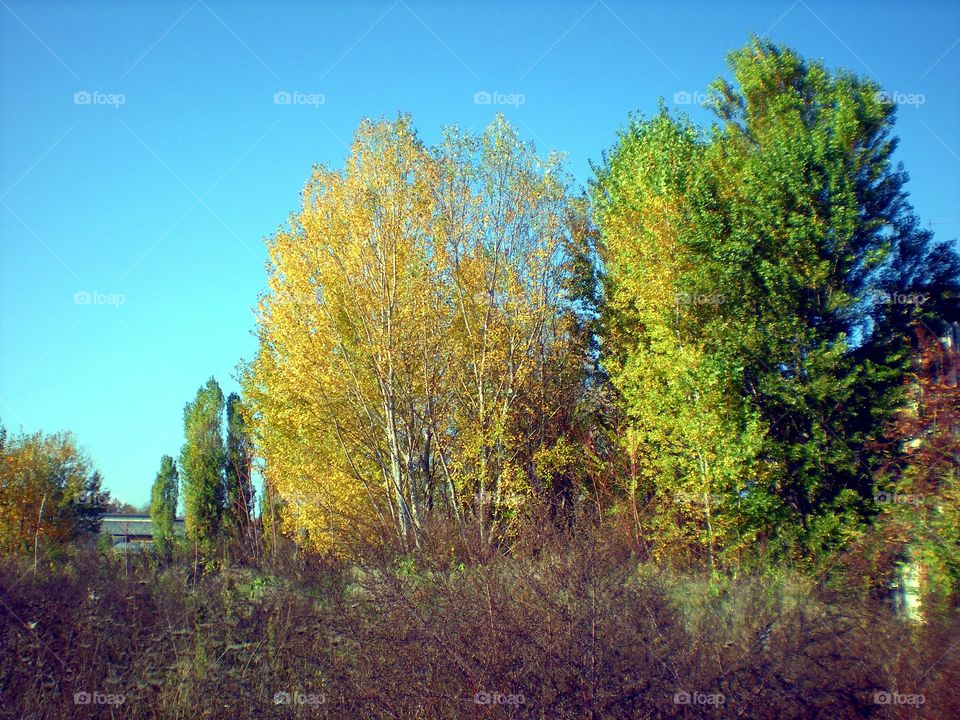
114,524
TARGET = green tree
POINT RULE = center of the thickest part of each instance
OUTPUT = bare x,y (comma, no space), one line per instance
691,443
163,505
202,461
239,458
748,272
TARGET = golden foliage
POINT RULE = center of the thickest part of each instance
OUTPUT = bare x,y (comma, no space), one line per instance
412,304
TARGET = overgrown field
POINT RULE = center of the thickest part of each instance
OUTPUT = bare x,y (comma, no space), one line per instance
583,630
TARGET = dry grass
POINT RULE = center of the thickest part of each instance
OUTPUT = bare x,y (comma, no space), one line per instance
563,627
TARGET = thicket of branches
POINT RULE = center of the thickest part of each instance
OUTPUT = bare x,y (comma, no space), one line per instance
569,626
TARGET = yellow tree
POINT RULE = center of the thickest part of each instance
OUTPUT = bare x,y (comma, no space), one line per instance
411,302
48,490
340,386
503,227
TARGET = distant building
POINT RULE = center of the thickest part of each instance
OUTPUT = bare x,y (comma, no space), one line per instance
132,533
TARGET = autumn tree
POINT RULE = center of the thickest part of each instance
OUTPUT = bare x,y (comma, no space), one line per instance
49,491
412,322
202,461
163,504
513,236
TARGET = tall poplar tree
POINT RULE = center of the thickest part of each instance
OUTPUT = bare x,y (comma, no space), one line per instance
202,462
163,505
239,466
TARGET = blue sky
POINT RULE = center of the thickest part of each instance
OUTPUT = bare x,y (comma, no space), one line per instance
144,156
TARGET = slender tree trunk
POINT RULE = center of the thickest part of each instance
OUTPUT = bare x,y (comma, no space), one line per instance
36,533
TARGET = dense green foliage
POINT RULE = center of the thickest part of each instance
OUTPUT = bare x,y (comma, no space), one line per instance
749,270
202,461
163,504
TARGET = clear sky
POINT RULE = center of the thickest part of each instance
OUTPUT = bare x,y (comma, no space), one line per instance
145,154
